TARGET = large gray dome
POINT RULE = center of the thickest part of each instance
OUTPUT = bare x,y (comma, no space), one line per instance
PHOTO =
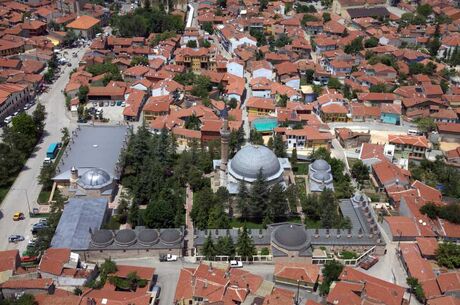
290,236
125,237
170,236
148,236
94,177
250,159
320,165
102,238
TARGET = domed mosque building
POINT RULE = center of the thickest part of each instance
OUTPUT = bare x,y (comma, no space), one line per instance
246,165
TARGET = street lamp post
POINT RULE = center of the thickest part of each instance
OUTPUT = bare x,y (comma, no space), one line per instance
27,197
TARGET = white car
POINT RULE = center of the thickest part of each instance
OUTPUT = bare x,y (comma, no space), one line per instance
236,264
171,258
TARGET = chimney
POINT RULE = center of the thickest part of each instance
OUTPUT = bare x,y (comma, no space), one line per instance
338,233
349,233
327,233
360,232
316,233
206,283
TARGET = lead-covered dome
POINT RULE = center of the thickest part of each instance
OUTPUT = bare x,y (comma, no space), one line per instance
250,159
290,236
94,177
320,165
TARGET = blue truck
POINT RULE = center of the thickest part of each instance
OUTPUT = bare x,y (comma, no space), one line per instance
52,150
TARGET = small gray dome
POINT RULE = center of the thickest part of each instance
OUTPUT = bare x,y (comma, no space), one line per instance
322,176
250,159
125,237
170,236
148,237
320,165
95,177
102,238
290,236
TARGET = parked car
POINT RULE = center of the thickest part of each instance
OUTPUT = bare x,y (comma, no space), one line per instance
18,216
368,262
236,264
156,290
15,238
8,119
168,258
47,160
29,259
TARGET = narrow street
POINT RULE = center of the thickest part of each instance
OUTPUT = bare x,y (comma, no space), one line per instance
25,190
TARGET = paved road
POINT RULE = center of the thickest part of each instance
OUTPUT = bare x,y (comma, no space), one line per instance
26,184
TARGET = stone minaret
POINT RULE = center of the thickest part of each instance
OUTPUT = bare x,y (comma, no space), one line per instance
224,139
73,177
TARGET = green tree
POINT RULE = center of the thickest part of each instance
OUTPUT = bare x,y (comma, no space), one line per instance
222,3
242,199
448,255
360,171
69,38
159,214
282,100
233,103
425,10
255,137
259,195
329,213
431,210
282,40
83,93
326,17
47,173
293,158
416,289
371,42
444,85
245,246
277,204
225,246
218,219
354,46
278,146
334,83
331,272
426,124
209,250
139,60
192,44
65,135
263,5
207,27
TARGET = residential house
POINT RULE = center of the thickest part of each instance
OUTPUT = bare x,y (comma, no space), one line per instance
9,263
333,112
260,106
305,275
386,174
453,156
374,153
351,139
390,114
449,132
85,26
13,97
13,287
409,147
134,104
307,138
156,106
261,68
415,265
105,96
362,113
235,67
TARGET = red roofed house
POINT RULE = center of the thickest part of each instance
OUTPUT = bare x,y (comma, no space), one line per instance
11,288
207,284
9,262
415,265
386,174
427,246
260,106
333,112
156,106
85,26
453,156
104,96
307,275
308,138
12,98
401,228
350,139
449,132
409,146
64,267
134,104
357,288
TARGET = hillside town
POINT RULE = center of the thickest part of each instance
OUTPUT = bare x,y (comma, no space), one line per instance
223,152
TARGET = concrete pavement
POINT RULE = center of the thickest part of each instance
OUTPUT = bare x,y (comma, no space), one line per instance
26,185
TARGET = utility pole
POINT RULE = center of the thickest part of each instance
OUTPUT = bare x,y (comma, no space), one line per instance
27,197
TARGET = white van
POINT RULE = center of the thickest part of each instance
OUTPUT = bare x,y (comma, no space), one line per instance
8,119
414,132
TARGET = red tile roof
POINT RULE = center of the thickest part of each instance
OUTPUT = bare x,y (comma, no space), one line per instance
27,284
445,300
419,141
449,282
53,260
83,23
307,273
402,226
9,260
427,245
416,265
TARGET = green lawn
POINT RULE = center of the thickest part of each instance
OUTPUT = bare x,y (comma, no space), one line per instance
301,169
43,197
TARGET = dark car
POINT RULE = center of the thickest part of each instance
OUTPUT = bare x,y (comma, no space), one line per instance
15,238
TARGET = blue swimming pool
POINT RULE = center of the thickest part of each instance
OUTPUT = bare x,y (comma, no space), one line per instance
265,124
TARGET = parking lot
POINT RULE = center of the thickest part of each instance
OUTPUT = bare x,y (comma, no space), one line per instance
113,113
